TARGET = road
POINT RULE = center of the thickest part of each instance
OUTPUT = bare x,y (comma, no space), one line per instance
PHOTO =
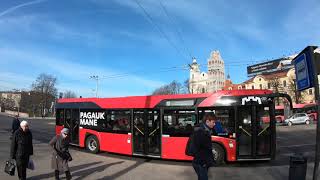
296,139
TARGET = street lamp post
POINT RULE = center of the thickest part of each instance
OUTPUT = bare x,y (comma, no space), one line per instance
95,77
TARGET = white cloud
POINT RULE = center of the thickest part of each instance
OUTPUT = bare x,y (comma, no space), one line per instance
75,76
10,81
41,26
20,6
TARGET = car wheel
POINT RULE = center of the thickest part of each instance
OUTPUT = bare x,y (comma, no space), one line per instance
218,154
92,144
307,122
289,123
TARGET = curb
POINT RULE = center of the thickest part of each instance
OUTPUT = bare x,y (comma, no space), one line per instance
9,115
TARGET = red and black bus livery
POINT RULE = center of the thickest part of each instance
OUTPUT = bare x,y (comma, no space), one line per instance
159,125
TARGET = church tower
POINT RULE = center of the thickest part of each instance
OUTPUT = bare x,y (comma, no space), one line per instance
216,76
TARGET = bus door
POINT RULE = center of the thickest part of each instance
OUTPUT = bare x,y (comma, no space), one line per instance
146,133
255,133
74,129
72,123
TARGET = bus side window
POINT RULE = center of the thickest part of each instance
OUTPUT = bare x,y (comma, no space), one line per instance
178,122
118,121
225,120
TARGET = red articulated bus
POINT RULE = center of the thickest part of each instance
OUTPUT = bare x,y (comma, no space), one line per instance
309,108
159,125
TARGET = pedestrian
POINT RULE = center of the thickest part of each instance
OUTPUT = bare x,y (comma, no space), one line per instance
203,158
61,155
15,124
22,148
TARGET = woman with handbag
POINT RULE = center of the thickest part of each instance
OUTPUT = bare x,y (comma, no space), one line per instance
22,148
61,155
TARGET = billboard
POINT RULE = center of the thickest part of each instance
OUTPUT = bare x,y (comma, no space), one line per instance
270,66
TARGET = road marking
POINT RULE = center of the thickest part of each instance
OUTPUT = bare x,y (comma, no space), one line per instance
52,123
298,145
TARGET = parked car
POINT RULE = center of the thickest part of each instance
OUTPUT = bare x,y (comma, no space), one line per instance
298,118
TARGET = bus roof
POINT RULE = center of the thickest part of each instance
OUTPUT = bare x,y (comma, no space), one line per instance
152,100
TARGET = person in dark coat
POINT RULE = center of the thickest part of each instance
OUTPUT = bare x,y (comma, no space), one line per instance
61,155
203,158
22,148
15,124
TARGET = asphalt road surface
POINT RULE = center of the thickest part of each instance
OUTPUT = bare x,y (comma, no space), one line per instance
295,139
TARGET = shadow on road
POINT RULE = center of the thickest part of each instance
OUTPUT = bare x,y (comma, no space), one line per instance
124,171
84,173
72,169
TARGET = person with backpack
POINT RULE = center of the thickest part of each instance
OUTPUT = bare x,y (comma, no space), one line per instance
201,146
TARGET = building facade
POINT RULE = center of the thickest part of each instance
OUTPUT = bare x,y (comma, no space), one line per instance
210,81
283,82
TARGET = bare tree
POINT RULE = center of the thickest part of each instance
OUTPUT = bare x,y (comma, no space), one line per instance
7,103
69,94
45,85
186,86
293,91
173,88
276,86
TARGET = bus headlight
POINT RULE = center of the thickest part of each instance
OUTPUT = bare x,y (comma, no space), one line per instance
230,144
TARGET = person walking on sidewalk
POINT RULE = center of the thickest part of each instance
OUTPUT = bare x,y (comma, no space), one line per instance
22,148
61,155
203,158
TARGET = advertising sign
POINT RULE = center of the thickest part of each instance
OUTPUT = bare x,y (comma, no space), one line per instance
270,66
304,70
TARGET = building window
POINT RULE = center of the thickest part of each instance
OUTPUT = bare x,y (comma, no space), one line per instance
284,83
239,87
230,88
203,90
192,76
269,85
310,91
260,86
259,79
252,87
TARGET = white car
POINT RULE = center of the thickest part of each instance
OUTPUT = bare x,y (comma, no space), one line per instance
298,118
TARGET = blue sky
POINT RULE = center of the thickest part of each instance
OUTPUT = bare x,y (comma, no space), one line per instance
74,39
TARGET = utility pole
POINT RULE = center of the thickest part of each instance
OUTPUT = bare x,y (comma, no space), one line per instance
95,77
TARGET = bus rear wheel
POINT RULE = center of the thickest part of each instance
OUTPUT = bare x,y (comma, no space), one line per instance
218,154
92,144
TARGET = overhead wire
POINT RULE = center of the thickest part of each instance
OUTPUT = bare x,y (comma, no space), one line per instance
151,20
177,30
120,75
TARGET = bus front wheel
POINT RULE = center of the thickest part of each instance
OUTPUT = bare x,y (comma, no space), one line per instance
312,118
92,144
218,154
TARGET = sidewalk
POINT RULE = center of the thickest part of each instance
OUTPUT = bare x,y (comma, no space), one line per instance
9,115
